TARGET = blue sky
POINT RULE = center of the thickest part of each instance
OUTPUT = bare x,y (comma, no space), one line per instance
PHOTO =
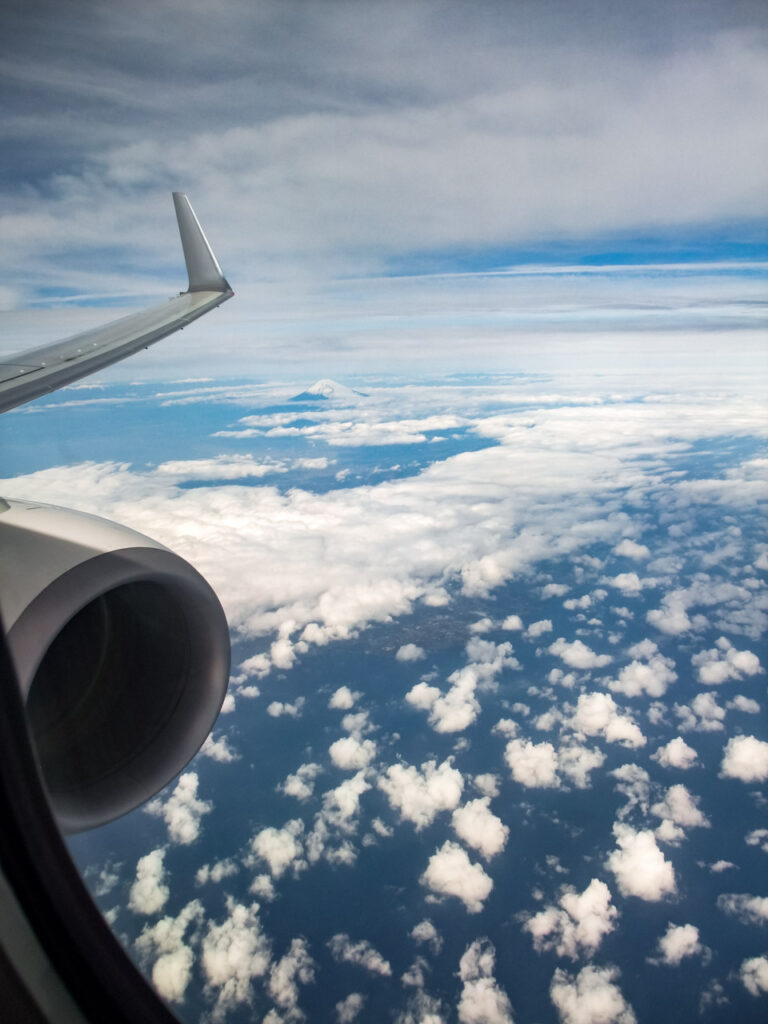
331,149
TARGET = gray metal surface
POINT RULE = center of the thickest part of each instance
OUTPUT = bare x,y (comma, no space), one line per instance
36,372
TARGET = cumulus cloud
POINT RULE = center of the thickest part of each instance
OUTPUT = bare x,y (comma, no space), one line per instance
749,909
639,865
744,704
576,654
513,623
425,933
480,828
745,758
758,837
148,893
576,925
723,663
592,997
703,714
410,652
482,1000
540,765
182,811
678,942
361,954
487,783
173,958
451,873
295,967
233,954
680,808
754,974
216,872
676,754
651,675
218,750
343,698
301,783
537,629
279,707
629,583
348,1009
458,708
421,794
631,549
533,765
351,754
281,848
597,714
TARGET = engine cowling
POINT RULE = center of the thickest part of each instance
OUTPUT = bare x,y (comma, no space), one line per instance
122,654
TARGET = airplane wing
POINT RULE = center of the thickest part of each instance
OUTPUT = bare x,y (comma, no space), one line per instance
36,372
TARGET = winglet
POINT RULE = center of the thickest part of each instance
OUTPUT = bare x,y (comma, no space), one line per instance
202,266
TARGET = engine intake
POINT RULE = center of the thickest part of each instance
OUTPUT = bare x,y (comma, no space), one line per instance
122,654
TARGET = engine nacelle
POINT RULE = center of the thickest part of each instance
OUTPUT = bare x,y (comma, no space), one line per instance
122,653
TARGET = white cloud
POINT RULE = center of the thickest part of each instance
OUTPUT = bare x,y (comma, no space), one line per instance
343,698
425,933
576,654
536,765
487,784
721,865
679,807
148,893
639,865
451,873
678,942
703,714
215,872
348,1009
233,954
482,1000
301,783
361,954
592,997
575,926
278,707
629,583
754,974
182,810
744,704
218,750
749,909
745,758
597,714
294,968
419,795
533,765
513,623
631,549
723,662
651,676
281,848
172,969
758,837
537,629
484,625
480,828
410,652
676,754
351,754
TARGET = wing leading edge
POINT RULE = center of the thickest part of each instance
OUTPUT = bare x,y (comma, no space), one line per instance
35,372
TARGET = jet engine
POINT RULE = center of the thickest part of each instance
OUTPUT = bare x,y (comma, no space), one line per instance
122,654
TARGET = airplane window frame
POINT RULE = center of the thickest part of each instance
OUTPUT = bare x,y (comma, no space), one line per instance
91,964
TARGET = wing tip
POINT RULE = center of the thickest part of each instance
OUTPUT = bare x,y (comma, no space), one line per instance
203,270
